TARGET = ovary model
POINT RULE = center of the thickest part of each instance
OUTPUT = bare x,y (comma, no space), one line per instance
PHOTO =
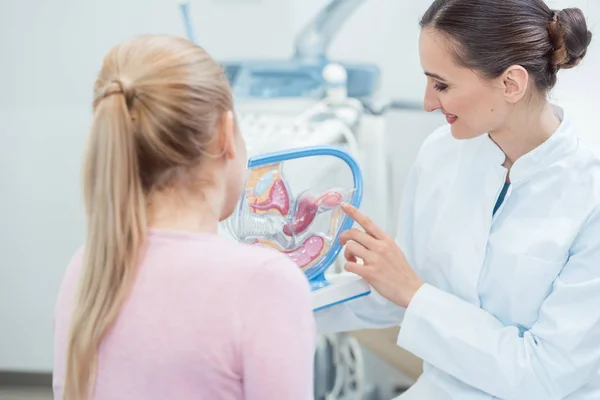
267,192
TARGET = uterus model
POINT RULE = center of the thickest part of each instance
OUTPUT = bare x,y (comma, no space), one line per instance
306,226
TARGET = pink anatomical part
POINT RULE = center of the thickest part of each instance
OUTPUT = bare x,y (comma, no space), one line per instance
304,255
330,199
308,208
278,199
309,251
305,215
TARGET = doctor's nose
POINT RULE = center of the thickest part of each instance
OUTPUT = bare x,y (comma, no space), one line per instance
432,100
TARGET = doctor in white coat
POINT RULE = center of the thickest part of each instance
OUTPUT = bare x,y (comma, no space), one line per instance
495,279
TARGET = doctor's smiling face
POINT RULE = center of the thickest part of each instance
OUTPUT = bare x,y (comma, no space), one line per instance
492,62
472,104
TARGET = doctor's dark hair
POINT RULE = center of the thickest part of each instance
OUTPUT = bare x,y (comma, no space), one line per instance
492,35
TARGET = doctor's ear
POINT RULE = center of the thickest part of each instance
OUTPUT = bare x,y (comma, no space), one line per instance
515,81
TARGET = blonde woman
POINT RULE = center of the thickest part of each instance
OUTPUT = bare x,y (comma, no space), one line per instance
156,305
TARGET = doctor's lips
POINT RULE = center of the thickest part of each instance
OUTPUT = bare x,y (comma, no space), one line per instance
451,118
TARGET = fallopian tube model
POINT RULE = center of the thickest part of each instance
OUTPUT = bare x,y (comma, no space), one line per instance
267,191
307,209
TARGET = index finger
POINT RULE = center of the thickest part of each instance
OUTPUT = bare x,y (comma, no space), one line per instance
365,222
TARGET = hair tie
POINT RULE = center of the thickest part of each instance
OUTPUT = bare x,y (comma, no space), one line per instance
117,87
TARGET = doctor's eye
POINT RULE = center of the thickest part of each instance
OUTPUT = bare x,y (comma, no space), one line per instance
440,87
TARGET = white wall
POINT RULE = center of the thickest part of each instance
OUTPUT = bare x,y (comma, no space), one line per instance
578,89
50,52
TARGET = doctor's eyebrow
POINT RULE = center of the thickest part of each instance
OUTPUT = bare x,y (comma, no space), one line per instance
435,76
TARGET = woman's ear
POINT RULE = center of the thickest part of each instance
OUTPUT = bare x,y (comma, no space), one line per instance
226,132
515,81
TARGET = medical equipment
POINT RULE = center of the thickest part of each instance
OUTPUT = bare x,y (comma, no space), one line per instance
301,76
279,131
301,219
339,369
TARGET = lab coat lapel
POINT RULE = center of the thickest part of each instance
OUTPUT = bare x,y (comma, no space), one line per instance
460,234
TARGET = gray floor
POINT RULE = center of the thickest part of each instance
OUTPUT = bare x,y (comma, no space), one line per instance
25,394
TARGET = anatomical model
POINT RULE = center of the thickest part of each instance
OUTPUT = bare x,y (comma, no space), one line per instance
282,222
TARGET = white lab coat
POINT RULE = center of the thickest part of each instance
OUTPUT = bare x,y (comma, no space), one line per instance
511,304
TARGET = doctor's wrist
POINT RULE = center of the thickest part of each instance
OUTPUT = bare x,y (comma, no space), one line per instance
409,293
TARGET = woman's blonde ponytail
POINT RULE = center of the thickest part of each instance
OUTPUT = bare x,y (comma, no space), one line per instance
116,216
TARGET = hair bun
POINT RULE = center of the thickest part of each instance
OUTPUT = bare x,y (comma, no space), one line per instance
570,38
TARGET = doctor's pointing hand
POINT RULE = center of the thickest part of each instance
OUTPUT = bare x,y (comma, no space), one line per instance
494,277
383,265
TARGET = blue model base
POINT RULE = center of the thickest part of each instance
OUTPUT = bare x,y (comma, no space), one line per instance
318,282
342,301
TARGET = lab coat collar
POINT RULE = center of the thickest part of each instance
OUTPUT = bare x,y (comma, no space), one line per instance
562,142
